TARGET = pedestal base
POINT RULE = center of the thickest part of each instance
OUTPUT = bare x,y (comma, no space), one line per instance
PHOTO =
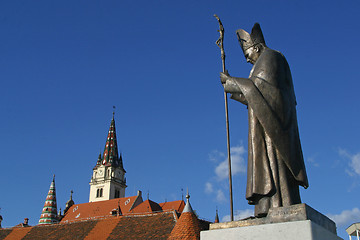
295,222
297,230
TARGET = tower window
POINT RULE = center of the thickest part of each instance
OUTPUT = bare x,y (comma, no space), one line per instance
117,193
99,192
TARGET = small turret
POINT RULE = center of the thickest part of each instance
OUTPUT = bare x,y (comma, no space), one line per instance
49,212
69,203
187,226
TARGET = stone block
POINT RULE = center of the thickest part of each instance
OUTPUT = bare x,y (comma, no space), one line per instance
294,230
298,212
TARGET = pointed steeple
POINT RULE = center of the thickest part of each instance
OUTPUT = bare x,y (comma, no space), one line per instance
49,212
111,154
108,179
217,217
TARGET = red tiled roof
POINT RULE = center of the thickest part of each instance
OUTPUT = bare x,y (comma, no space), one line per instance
103,229
4,233
140,220
149,226
128,205
16,233
186,228
99,209
77,230
145,226
174,205
147,206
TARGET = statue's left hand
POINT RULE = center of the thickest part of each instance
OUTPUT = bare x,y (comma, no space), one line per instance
224,76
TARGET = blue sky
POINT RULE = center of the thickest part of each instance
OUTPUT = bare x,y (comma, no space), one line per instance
64,64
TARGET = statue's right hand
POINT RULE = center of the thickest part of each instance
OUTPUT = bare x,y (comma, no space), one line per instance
224,76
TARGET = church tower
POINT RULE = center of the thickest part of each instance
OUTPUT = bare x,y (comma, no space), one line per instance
108,179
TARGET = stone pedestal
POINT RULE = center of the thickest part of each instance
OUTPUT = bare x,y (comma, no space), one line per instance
296,222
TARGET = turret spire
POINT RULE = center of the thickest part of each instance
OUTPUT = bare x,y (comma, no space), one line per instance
99,159
187,227
49,212
187,207
216,216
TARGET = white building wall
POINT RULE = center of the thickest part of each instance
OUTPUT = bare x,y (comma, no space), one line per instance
107,182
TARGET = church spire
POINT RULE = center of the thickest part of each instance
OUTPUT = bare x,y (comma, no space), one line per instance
187,226
108,179
111,154
49,212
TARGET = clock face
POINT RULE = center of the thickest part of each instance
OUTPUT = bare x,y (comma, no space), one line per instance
101,172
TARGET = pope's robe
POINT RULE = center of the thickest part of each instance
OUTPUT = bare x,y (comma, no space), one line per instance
275,161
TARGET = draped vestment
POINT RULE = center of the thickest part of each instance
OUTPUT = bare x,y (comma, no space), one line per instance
275,161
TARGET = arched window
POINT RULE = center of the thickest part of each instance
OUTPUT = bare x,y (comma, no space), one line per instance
99,192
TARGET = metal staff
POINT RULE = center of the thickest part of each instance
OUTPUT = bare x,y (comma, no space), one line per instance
220,43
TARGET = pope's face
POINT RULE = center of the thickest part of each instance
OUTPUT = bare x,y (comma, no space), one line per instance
252,54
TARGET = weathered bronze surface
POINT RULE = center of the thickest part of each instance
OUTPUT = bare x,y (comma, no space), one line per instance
275,161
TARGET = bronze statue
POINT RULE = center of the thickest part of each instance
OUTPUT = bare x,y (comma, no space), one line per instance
275,161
